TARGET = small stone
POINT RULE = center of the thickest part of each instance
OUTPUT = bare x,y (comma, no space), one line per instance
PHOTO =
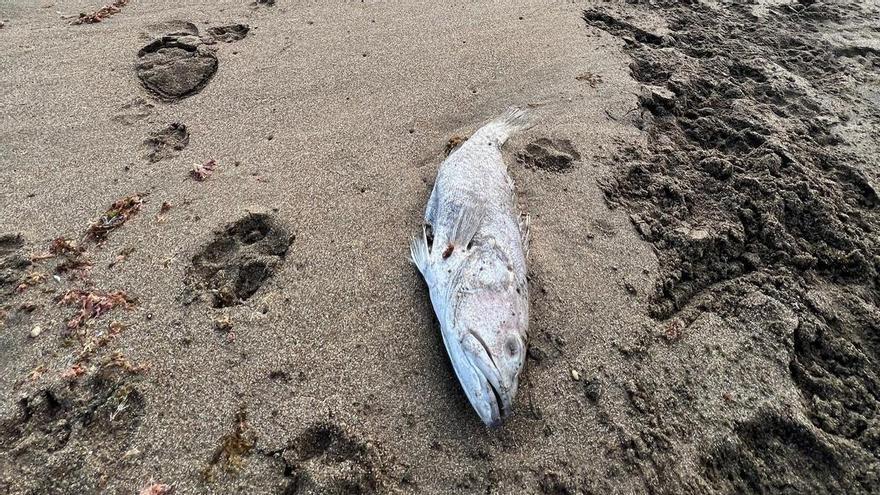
575,375
131,453
223,324
36,331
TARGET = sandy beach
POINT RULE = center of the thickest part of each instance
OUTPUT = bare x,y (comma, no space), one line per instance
205,214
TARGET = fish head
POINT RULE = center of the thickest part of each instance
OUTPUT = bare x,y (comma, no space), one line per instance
491,319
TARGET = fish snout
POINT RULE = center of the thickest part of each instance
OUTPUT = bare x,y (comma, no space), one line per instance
491,393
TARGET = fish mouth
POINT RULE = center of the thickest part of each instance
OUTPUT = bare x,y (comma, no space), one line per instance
482,381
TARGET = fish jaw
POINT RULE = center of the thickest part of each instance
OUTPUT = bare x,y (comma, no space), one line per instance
477,373
474,370
485,345
474,367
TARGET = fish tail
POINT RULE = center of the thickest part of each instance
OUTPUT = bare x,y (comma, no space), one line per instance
511,121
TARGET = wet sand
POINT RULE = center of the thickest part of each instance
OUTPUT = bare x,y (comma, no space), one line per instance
277,340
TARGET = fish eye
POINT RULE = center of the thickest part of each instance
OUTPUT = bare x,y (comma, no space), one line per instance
512,346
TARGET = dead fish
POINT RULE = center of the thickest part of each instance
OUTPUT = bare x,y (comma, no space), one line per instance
475,267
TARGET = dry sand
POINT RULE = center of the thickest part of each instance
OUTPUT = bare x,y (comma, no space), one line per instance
327,122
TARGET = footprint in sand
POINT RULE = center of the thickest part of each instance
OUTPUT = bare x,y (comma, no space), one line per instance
228,34
133,111
156,30
175,66
180,64
166,142
240,258
326,459
553,155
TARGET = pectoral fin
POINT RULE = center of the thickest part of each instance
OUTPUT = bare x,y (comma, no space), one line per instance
418,251
431,209
466,225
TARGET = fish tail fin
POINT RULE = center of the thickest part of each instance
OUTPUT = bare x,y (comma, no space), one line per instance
510,122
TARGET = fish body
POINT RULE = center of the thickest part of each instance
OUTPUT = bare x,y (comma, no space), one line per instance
475,267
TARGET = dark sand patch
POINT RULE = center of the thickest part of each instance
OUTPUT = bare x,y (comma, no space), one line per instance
13,263
67,437
326,459
749,192
774,454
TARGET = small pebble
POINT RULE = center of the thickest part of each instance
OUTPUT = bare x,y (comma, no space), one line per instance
36,331
131,453
223,324
575,375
